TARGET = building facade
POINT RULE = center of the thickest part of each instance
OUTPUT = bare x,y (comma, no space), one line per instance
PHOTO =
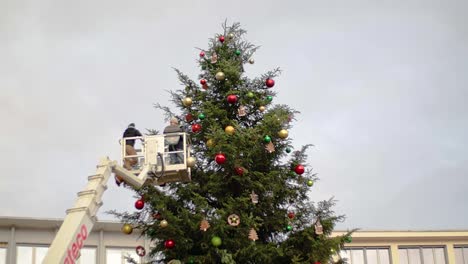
26,240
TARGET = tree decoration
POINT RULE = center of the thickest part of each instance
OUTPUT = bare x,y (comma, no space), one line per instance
238,52
318,227
214,58
202,54
291,215
253,234
310,183
250,95
233,220
283,133
288,150
203,82
262,108
270,147
232,98
254,197
299,169
169,244
189,117
157,216
205,86
230,36
220,158
241,111
251,61
127,229
191,161
210,143
221,39
201,116
204,225
140,251
229,130
348,239
216,241
163,223
239,171
267,139
187,101
289,228
196,128
269,83
269,98
220,76
139,204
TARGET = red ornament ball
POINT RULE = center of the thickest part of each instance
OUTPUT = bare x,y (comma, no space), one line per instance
189,117
196,128
203,82
220,158
205,86
169,244
269,83
140,251
139,204
202,54
239,171
299,169
221,39
291,215
232,98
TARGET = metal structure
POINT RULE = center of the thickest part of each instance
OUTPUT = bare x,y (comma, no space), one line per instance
156,165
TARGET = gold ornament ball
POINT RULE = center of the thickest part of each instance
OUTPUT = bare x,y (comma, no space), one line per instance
251,61
220,76
229,130
163,224
230,36
262,108
127,229
210,143
191,162
283,133
187,101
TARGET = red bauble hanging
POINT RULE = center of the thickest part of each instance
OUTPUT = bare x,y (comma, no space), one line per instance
196,128
239,171
205,86
299,169
291,215
139,204
189,117
140,251
169,244
202,54
232,98
203,82
269,83
220,158
221,39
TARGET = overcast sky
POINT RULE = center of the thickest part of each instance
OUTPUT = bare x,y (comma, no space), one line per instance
382,90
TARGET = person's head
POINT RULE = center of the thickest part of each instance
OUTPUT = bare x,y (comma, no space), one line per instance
173,121
132,125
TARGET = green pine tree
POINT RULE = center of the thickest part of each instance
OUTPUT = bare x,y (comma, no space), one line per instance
259,161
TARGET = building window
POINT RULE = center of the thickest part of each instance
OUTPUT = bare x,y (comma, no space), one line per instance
461,254
422,255
118,255
36,254
366,255
3,255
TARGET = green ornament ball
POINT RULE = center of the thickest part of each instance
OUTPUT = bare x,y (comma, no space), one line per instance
267,139
288,150
250,95
310,183
348,239
216,241
288,228
238,52
191,261
269,98
201,116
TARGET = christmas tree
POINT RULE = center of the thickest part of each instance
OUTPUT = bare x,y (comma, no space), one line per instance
248,201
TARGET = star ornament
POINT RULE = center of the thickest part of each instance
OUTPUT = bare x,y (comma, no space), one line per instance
233,220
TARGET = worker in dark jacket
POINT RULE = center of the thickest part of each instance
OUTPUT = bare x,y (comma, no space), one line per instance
175,143
131,131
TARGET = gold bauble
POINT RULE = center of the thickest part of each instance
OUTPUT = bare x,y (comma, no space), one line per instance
163,224
127,229
230,36
262,108
251,61
229,130
220,76
187,101
191,161
210,143
283,133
